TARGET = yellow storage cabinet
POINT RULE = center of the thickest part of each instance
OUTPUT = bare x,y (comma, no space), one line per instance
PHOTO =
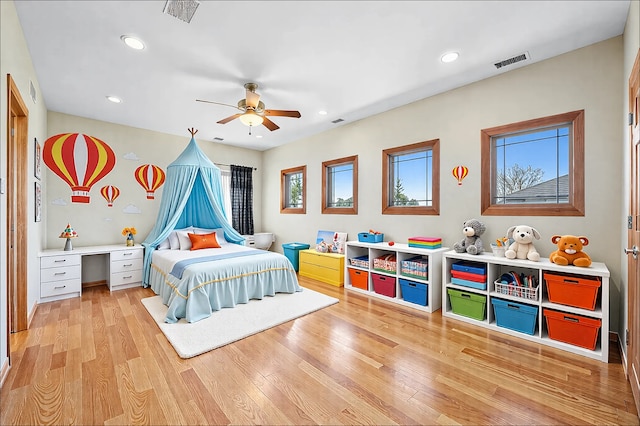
325,267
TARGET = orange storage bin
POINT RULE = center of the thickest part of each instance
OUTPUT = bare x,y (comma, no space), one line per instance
572,329
359,279
578,291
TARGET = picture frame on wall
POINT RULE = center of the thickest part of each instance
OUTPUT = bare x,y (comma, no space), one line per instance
38,202
37,158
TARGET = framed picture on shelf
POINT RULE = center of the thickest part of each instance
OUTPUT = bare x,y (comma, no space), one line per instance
37,159
38,201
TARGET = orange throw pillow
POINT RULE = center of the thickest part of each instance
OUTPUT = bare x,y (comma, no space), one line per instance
203,241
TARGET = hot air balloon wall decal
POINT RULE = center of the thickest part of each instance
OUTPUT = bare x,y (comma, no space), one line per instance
460,172
150,177
110,193
79,160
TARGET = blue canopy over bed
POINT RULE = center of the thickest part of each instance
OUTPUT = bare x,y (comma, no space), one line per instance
192,196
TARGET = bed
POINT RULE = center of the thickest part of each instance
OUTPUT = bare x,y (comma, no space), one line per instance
195,283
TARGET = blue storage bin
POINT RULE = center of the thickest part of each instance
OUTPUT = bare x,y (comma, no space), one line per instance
467,283
474,268
414,292
515,316
292,252
365,237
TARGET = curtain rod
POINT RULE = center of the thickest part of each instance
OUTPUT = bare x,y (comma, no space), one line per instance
228,165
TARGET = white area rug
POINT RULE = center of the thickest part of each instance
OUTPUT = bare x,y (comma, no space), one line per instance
231,324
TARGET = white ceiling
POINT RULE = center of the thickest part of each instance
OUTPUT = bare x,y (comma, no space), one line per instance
353,59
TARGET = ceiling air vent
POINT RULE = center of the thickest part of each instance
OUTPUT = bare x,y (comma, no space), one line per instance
218,139
181,9
518,58
339,120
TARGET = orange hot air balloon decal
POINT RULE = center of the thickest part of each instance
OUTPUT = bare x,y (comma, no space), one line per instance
460,172
110,193
79,160
150,177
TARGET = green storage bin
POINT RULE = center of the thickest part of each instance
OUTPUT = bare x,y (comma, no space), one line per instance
468,304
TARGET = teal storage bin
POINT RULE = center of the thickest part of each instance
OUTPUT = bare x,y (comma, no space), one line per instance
515,316
292,252
414,292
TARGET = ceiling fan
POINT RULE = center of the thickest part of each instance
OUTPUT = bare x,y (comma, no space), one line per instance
253,110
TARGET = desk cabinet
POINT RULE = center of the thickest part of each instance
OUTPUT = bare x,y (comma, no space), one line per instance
61,271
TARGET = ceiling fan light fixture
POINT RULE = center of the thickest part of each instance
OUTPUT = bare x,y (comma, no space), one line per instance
251,119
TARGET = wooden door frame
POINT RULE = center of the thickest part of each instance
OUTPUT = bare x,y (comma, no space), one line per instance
633,310
17,208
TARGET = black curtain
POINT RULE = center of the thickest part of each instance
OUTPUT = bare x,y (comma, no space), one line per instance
242,199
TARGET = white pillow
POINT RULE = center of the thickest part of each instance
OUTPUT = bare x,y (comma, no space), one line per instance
183,237
165,245
174,243
219,234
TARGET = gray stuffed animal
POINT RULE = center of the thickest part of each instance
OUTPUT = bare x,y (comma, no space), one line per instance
472,244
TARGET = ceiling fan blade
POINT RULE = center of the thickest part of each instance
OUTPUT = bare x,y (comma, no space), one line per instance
252,99
228,119
217,103
282,113
269,124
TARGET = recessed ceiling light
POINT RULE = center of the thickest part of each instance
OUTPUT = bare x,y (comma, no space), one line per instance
114,99
259,136
449,57
322,112
132,42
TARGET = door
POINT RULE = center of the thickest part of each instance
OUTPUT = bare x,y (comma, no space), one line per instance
17,207
633,243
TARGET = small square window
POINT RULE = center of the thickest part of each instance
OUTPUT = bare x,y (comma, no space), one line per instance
293,192
340,186
411,179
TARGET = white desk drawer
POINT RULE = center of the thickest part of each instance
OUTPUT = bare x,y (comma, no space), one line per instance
126,265
126,254
60,274
58,261
124,278
57,288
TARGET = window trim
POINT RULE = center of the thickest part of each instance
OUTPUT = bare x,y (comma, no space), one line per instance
354,190
434,209
575,206
283,193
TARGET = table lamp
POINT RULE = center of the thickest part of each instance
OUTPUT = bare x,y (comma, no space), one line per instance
68,233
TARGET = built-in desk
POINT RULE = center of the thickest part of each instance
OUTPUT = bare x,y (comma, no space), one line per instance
61,271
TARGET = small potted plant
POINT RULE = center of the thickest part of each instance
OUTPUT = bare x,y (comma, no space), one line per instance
129,233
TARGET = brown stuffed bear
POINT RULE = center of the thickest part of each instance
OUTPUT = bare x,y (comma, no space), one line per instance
570,251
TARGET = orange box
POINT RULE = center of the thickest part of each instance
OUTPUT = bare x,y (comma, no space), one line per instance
572,329
359,279
570,290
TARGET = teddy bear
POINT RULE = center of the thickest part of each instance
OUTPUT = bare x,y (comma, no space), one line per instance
472,243
522,246
569,250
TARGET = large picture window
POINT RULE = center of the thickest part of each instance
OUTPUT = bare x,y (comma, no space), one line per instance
411,179
340,186
534,167
293,190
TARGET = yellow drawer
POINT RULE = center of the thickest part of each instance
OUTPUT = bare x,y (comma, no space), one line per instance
325,267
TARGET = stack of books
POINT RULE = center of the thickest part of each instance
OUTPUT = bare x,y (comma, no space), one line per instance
425,242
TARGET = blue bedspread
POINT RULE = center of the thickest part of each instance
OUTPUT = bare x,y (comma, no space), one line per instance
179,267
211,285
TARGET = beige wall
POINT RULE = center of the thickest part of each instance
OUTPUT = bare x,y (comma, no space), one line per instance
587,79
95,222
15,60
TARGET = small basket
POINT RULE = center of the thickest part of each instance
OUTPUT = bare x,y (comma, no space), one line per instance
385,263
530,293
361,261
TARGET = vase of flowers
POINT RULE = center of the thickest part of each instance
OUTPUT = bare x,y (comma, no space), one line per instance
129,233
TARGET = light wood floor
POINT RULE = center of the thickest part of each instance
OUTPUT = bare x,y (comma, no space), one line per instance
102,360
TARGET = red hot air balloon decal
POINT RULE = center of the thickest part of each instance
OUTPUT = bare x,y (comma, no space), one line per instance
150,177
460,172
110,193
79,160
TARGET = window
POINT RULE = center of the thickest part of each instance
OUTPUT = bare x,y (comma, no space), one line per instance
535,167
340,186
293,190
411,179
